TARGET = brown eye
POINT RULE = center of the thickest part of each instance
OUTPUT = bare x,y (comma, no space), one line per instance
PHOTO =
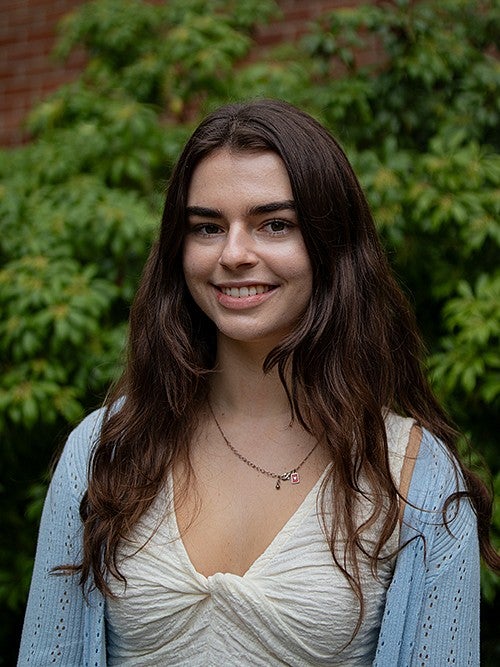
277,226
207,229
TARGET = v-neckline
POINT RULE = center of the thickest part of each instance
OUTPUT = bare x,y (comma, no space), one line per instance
274,547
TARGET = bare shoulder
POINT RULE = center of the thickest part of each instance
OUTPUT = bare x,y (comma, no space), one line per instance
433,479
411,455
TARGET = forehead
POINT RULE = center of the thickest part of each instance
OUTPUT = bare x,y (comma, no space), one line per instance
226,173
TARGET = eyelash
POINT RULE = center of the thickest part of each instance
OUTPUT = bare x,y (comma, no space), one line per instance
201,230
286,226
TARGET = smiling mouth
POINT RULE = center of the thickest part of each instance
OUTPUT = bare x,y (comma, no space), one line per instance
250,290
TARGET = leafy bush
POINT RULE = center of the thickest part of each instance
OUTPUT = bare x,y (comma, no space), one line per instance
79,204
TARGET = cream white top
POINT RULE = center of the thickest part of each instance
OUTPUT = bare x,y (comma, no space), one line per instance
292,606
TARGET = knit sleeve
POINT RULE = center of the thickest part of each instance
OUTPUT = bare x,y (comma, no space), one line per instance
61,626
431,617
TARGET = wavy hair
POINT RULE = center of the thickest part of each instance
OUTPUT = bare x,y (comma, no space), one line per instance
355,352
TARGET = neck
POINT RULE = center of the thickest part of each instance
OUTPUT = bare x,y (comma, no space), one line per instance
240,385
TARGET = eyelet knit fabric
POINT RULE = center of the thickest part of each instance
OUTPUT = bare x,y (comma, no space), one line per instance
431,617
431,612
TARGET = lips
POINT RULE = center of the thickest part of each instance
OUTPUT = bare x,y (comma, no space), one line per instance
242,297
245,291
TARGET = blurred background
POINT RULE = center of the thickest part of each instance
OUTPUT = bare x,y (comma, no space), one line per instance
97,99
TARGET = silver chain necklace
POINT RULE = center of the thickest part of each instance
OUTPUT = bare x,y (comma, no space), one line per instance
292,475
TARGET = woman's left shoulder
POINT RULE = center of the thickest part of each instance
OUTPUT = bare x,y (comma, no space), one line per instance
436,474
438,503
426,464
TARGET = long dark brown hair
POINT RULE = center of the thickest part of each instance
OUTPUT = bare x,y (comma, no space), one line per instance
354,353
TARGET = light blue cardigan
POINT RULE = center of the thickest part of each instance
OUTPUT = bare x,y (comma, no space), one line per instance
431,616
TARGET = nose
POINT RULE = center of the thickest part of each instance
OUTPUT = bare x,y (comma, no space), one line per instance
239,248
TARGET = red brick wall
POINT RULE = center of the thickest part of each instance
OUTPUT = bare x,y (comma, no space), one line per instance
27,35
27,71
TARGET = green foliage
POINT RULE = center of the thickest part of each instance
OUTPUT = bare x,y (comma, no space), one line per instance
79,204
469,361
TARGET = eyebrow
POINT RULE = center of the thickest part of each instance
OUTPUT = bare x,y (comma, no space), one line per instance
259,209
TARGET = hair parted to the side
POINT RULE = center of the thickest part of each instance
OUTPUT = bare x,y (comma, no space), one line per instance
354,353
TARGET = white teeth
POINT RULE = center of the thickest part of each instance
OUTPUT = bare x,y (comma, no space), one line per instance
239,292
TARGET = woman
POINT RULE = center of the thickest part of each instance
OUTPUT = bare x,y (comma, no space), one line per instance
263,487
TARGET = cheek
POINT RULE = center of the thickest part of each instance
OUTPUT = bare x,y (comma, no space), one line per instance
192,264
300,269
197,273
198,261
189,269
187,259
304,282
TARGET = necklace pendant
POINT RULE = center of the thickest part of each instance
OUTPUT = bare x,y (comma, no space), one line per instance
295,478
278,484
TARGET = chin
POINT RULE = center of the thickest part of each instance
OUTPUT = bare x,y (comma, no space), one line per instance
254,338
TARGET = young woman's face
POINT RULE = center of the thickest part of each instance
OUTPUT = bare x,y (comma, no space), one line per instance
245,262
